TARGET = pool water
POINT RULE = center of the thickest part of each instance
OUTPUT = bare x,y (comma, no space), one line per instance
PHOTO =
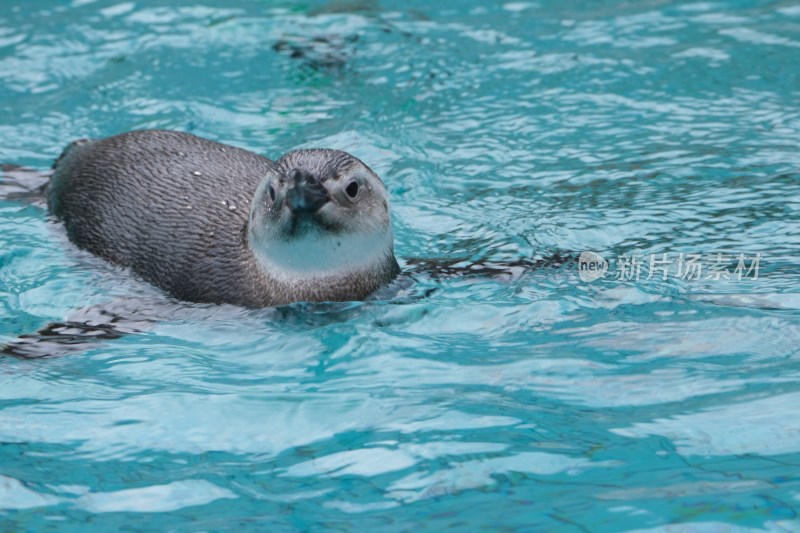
533,399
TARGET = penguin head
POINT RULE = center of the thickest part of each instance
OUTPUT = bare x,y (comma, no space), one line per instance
320,210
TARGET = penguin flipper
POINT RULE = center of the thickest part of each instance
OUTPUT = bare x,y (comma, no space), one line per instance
83,330
505,270
23,184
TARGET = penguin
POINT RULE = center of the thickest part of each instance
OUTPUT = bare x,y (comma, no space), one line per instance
208,222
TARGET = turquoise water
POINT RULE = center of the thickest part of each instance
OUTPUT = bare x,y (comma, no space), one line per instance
526,401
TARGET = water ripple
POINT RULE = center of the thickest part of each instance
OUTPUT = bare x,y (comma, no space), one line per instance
526,401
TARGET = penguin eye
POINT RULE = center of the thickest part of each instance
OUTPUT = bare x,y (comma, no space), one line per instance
271,193
352,189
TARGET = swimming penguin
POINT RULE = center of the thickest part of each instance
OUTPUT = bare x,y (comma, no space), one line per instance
208,222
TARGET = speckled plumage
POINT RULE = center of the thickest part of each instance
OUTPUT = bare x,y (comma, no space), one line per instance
175,208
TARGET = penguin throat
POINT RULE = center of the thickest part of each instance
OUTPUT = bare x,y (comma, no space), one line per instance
316,255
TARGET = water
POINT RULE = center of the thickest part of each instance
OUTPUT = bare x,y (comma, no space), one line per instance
533,401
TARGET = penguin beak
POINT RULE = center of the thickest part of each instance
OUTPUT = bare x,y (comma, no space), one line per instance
307,195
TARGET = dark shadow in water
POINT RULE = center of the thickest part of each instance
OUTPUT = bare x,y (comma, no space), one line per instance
318,53
332,52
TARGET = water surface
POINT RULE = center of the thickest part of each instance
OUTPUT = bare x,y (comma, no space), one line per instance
533,401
